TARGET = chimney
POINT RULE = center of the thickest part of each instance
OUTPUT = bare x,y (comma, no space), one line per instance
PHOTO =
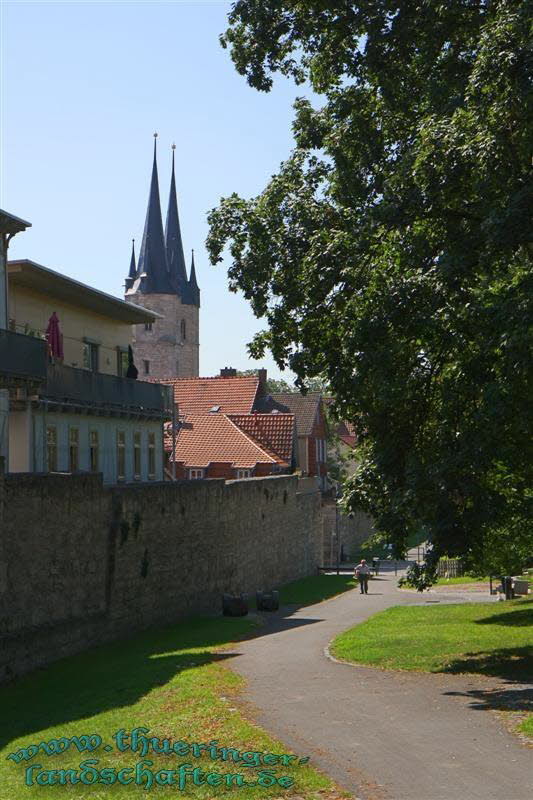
228,372
262,375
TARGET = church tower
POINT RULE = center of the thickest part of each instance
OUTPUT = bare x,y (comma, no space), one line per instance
169,347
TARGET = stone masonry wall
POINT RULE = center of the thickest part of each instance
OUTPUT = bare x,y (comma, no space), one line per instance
353,532
82,564
170,355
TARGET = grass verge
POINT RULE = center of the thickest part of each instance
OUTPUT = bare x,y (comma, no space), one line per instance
480,638
527,726
314,589
466,579
462,579
171,681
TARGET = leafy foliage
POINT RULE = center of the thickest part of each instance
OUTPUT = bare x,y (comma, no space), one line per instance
420,576
392,251
280,386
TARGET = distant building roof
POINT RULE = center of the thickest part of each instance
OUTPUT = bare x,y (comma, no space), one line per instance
236,395
275,432
203,439
303,406
11,224
346,433
56,285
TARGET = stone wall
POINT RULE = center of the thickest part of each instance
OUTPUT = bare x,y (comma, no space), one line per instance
82,564
353,532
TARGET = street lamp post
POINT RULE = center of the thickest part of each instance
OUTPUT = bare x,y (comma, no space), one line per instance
337,495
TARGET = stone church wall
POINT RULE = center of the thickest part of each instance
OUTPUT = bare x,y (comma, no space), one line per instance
171,355
82,564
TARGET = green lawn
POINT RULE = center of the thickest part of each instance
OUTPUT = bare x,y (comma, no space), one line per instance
314,589
527,726
171,681
463,579
491,639
473,579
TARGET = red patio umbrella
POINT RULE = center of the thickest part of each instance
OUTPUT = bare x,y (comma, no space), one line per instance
54,337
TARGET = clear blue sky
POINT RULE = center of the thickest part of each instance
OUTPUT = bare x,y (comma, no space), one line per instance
84,86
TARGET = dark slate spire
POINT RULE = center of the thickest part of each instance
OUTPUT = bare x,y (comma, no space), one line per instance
193,288
173,243
152,276
133,265
132,274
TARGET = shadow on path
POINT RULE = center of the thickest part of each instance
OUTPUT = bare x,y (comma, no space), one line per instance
499,699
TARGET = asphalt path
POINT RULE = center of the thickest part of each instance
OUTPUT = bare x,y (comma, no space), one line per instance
382,735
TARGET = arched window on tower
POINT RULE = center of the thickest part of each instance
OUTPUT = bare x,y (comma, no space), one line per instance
183,330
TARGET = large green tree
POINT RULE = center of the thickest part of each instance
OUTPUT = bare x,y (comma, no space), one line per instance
392,252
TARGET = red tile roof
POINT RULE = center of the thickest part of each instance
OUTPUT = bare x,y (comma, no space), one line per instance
198,395
275,432
346,433
207,438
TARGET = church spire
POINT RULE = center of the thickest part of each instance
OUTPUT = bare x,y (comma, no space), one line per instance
173,242
133,265
132,274
153,275
193,288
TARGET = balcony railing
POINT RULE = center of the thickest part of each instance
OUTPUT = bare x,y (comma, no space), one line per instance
25,358
22,357
81,387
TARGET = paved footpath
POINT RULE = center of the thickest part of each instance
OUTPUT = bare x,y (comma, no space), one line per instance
381,735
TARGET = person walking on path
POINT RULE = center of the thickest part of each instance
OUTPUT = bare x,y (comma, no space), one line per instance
362,572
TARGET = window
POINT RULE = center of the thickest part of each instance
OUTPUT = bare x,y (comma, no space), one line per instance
90,356
320,450
146,367
94,455
196,474
121,455
122,362
137,456
73,449
51,448
151,456
183,329
148,326
244,473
